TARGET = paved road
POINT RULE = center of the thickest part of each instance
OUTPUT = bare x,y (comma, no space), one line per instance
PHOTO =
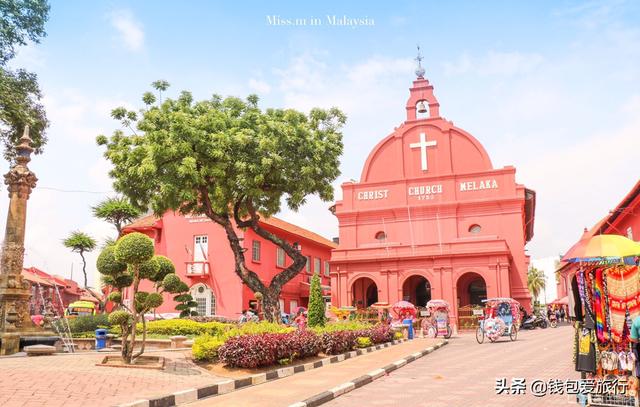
464,373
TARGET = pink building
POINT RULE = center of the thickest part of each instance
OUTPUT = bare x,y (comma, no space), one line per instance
623,220
200,251
431,218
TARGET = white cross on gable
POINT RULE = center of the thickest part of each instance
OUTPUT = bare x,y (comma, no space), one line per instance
422,145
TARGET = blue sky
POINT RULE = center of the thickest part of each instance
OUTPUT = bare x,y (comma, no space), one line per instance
550,87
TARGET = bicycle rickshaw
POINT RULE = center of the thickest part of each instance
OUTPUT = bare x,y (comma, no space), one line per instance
501,317
437,320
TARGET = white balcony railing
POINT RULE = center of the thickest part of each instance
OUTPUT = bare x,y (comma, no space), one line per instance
197,268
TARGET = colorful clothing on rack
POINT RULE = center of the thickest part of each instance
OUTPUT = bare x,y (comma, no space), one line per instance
599,307
624,294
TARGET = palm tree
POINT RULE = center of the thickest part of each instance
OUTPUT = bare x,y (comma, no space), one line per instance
81,243
535,281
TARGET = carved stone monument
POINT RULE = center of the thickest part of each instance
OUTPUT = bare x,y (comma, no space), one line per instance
15,321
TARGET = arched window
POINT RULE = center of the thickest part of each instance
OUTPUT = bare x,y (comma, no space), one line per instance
475,229
381,236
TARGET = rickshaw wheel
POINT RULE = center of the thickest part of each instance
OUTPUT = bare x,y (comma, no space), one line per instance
479,335
449,332
513,335
432,332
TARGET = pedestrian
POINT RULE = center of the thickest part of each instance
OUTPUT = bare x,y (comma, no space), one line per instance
301,320
562,314
558,315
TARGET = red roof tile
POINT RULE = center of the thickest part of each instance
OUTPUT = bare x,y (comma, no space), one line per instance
297,230
144,222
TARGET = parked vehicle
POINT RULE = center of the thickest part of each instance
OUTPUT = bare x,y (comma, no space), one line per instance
80,309
535,321
437,319
501,317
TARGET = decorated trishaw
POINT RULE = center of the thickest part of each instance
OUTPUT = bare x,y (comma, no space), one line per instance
501,317
436,322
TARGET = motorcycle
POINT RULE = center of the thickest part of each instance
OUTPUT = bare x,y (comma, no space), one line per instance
534,321
542,322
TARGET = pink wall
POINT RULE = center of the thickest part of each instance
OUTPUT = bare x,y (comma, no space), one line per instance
426,213
174,238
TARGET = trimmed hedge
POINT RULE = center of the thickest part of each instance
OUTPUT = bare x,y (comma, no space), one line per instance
205,347
84,323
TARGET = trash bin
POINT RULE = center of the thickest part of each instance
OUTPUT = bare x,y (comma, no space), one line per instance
101,339
409,323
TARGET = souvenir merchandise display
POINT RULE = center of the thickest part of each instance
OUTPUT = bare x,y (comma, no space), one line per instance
609,300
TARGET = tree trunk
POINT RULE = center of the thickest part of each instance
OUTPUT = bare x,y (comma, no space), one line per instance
271,293
86,286
134,311
271,305
84,268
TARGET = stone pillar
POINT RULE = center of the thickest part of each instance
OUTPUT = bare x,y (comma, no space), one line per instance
15,321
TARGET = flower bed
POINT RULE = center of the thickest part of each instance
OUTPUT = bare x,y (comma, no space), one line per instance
268,348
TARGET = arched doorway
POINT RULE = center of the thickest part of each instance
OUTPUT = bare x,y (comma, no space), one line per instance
417,290
205,298
364,292
472,289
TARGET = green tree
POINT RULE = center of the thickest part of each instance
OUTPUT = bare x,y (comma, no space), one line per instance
535,281
80,243
125,264
232,162
21,21
316,303
117,211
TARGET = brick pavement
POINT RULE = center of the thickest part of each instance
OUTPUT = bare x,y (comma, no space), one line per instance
291,389
74,380
464,373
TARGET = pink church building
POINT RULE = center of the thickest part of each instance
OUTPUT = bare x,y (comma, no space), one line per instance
431,218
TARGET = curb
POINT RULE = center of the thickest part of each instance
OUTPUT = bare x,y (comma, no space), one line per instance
346,387
227,386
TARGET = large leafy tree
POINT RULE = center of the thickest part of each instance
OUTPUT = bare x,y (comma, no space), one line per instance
231,161
20,21
117,211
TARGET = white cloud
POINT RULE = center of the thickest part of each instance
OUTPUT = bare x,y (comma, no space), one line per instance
130,30
494,63
259,86
30,57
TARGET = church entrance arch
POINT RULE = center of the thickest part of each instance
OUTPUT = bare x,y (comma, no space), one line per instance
417,290
364,292
472,289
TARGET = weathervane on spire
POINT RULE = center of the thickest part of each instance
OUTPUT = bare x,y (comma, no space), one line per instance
419,69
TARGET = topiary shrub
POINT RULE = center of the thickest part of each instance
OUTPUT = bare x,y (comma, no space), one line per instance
125,264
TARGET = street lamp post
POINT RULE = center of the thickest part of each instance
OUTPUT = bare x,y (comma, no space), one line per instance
15,321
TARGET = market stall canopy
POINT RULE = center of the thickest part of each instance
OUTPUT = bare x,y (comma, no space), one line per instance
603,247
561,301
